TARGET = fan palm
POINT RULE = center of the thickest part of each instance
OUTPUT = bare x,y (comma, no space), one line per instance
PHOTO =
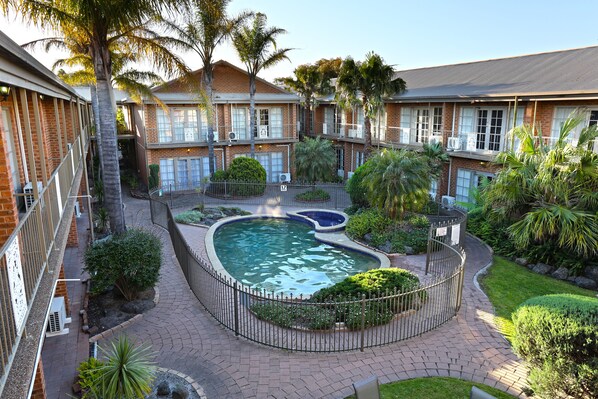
397,181
256,46
203,29
366,84
101,25
314,159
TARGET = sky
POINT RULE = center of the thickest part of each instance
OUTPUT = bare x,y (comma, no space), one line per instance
407,34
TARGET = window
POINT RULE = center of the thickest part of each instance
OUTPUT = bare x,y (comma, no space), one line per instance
240,123
340,161
422,125
418,124
379,126
164,128
268,123
433,189
181,125
482,127
332,120
562,113
11,149
467,181
184,173
359,159
275,123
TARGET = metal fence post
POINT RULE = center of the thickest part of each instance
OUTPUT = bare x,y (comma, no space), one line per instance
362,321
236,300
335,197
170,190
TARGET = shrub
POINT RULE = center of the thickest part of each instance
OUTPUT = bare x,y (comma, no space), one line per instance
130,261
219,175
558,336
357,191
419,221
154,176
89,375
371,283
365,222
312,317
189,217
376,314
313,195
245,170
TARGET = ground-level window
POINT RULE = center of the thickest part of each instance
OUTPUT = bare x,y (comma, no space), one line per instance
340,161
359,159
272,163
467,182
433,189
184,173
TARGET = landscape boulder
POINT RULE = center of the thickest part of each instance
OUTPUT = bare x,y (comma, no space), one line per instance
542,268
585,282
522,261
591,272
561,273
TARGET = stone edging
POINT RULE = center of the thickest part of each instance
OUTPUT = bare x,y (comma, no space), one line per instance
112,331
198,388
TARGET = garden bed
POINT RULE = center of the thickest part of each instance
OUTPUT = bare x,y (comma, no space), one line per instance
208,216
317,195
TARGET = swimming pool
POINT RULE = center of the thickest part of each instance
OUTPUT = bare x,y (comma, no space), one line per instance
283,256
322,220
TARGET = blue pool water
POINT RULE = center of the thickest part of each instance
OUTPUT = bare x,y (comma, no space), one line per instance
325,219
283,256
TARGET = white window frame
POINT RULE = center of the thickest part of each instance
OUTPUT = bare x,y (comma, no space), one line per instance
562,113
193,130
175,179
471,178
470,129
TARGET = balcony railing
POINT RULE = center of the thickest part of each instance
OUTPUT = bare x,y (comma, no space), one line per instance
551,142
222,133
24,257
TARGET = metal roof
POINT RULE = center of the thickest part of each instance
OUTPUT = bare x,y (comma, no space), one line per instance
558,73
20,69
223,98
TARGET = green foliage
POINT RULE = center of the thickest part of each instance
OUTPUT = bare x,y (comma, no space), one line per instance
90,372
189,217
128,372
121,126
312,317
250,176
154,176
431,208
313,195
219,175
370,220
101,221
419,221
129,261
355,187
130,178
315,159
558,336
98,189
374,314
373,283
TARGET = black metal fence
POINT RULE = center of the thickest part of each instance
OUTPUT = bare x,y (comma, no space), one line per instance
339,324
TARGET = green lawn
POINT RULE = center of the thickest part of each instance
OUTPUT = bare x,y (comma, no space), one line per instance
435,388
508,285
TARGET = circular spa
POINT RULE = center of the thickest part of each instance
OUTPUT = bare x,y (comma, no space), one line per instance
283,255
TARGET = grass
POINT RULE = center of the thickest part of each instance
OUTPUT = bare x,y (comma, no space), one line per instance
508,284
435,388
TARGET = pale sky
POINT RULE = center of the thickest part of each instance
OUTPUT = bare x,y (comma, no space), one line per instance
408,34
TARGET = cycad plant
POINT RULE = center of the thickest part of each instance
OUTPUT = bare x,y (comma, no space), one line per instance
314,159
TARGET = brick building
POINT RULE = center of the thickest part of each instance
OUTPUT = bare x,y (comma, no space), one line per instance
470,109
174,136
43,146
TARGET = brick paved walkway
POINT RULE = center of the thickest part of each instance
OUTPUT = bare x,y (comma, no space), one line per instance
186,338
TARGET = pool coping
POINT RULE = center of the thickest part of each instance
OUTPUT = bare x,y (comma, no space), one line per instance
296,215
337,239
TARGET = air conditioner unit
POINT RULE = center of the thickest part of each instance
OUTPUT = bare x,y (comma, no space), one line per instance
77,209
435,139
263,132
285,178
448,202
232,136
324,128
57,318
28,191
454,143
350,175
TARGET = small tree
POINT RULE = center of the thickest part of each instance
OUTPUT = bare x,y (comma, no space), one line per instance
154,176
314,159
398,181
249,176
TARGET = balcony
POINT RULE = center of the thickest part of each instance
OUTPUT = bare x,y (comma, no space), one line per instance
223,134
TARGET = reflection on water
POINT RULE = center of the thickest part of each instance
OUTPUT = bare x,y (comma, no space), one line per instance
283,256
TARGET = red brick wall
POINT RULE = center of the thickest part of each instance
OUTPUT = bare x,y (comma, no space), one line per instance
39,384
73,237
9,217
61,290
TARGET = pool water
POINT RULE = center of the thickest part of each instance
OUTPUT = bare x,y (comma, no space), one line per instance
325,219
283,256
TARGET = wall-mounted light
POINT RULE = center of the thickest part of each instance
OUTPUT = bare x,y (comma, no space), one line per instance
188,150
260,146
4,92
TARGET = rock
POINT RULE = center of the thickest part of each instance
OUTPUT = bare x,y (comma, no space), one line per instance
531,266
522,261
542,268
585,282
561,273
180,392
408,250
93,330
137,306
76,388
571,279
386,247
591,272
367,237
163,389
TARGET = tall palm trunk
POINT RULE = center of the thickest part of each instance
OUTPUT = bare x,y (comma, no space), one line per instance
107,120
96,120
252,120
307,117
208,77
367,135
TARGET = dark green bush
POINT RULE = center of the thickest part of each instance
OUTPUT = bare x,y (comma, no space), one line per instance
376,314
313,195
558,336
189,217
366,222
154,176
372,283
130,261
355,188
416,238
247,177
419,221
312,317
219,175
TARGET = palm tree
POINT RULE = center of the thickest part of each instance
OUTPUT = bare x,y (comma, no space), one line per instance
436,157
314,159
256,45
309,81
203,29
366,84
103,24
549,193
397,181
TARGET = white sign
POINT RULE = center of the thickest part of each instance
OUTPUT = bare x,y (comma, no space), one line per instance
441,231
263,131
455,234
283,187
471,142
15,284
